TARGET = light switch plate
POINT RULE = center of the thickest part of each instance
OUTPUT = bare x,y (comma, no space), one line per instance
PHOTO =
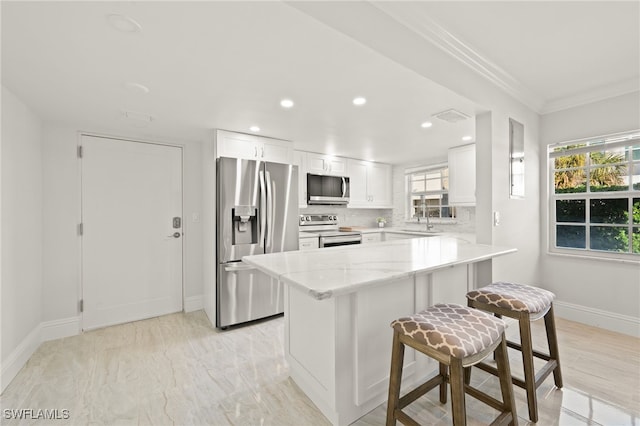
496,218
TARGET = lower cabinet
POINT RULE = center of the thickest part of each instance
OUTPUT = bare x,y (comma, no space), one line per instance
308,243
373,237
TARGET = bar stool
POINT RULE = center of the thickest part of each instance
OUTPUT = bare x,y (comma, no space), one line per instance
526,304
457,337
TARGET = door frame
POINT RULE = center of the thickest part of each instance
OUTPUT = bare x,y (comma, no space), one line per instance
80,134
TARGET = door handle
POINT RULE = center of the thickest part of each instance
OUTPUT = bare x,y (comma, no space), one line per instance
175,235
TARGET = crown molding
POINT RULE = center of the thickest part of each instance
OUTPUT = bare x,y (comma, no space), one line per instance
416,20
594,95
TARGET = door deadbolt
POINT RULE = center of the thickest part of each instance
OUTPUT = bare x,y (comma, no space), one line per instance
177,222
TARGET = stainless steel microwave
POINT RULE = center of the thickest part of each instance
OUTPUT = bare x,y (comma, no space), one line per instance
322,189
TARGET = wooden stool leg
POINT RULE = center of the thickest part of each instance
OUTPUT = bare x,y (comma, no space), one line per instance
467,375
443,385
527,358
456,379
552,340
395,378
504,374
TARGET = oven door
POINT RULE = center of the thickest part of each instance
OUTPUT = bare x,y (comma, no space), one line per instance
334,241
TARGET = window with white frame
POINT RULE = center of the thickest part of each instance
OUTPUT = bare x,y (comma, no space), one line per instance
427,192
595,196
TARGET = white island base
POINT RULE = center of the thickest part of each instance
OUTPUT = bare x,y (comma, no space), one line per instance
337,318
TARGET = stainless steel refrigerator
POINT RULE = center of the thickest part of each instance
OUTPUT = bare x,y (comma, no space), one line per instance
257,213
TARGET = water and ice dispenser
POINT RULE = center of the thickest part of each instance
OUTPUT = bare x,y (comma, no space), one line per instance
245,225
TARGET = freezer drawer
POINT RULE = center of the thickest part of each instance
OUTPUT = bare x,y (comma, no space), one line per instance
245,294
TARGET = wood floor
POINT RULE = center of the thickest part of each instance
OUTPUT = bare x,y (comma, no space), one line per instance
176,369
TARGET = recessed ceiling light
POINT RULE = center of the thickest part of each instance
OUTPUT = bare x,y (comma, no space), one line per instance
426,124
359,100
466,138
254,128
136,87
124,23
286,103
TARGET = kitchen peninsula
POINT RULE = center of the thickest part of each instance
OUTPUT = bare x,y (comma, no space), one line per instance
340,301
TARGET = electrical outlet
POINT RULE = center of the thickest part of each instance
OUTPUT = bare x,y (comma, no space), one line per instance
496,218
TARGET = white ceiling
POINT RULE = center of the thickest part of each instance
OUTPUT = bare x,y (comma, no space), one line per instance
228,64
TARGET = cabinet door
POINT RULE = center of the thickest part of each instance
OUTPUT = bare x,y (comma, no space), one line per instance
309,243
371,238
326,164
462,175
379,185
358,183
299,159
237,145
277,151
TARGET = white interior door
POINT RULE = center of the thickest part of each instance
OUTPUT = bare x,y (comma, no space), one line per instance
131,247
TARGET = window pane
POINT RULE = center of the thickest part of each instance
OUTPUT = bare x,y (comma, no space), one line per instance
433,185
609,238
636,210
417,176
570,211
611,173
417,186
614,210
433,175
570,236
445,182
570,181
635,176
636,239
569,161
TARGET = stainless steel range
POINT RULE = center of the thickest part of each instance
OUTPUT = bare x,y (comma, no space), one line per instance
328,230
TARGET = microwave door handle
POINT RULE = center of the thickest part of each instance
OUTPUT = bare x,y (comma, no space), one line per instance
263,210
344,187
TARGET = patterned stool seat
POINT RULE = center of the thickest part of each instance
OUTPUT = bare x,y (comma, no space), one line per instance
514,297
454,330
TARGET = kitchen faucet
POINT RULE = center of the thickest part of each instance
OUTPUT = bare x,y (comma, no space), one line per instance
429,225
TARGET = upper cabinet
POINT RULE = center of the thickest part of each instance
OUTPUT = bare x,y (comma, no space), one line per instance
370,184
462,175
321,164
252,147
300,160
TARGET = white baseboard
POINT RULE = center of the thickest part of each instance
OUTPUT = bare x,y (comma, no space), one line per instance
58,329
598,318
19,357
193,303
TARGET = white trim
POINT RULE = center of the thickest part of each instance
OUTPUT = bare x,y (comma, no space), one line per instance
19,357
57,329
193,303
591,96
596,317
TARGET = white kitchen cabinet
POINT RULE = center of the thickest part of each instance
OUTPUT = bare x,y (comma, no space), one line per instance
300,160
308,243
370,184
252,147
462,175
372,237
322,164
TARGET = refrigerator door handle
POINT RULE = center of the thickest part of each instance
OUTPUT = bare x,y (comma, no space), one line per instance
269,233
243,267
263,209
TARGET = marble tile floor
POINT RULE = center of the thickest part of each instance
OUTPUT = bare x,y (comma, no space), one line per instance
178,370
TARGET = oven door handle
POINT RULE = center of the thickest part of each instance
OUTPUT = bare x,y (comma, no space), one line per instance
337,240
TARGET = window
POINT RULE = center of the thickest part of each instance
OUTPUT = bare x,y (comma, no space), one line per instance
428,193
595,197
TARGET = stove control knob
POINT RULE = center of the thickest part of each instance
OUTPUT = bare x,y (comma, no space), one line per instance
308,218
334,217
302,219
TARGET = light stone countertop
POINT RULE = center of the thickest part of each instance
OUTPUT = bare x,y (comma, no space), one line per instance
329,272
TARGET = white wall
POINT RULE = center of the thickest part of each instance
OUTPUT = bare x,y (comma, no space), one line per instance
21,234
598,292
62,286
